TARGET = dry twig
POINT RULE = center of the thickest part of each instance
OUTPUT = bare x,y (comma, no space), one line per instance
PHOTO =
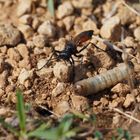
130,8
129,116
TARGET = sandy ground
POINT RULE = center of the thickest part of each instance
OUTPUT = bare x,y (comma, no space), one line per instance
28,33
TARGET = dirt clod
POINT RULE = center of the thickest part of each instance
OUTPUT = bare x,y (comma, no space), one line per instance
65,9
121,89
137,33
23,76
1,65
23,50
111,29
26,19
26,30
40,41
4,111
58,89
13,54
90,25
68,22
9,35
62,71
3,79
24,6
126,16
47,28
62,107
82,3
80,103
102,59
130,98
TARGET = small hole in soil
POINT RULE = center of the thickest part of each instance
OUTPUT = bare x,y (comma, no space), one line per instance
44,111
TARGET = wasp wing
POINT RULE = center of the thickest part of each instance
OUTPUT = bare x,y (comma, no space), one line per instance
83,37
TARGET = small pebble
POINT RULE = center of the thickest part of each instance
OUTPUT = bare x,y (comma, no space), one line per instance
45,71
60,88
104,101
1,92
116,119
80,103
1,65
9,35
125,15
41,63
65,9
3,79
62,71
102,59
24,6
113,104
23,50
82,3
130,98
35,23
4,111
25,63
38,51
28,84
12,63
138,98
13,54
30,44
26,19
62,107
96,103
121,89
3,49
40,41
12,97
68,22
137,33
90,25
23,76
111,29
129,41
47,28
26,30
10,88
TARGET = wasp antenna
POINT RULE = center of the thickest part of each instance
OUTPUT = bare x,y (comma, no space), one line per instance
47,62
97,47
50,59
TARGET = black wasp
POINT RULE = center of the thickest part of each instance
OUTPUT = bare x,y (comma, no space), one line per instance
71,47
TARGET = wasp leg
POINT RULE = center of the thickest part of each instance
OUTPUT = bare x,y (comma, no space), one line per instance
57,51
47,61
97,47
53,54
87,46
83,48
73,70
80,55
72,60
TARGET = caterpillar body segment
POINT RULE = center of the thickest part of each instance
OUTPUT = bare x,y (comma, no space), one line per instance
105,80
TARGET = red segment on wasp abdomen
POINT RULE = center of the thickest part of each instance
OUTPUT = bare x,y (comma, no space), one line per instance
83,37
